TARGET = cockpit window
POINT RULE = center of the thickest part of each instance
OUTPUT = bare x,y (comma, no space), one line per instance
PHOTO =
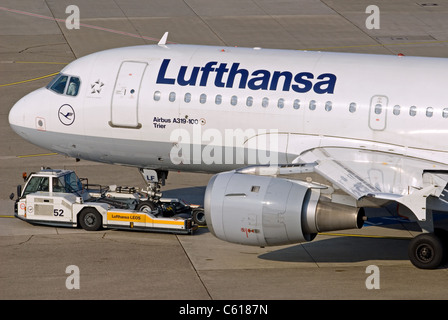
58,84
73,86
64,84
55,78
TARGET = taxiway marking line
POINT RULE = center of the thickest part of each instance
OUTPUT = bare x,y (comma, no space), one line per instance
28,156
38,155
40,62
81,24
29,80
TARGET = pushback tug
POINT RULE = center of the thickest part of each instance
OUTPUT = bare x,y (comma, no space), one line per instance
59,198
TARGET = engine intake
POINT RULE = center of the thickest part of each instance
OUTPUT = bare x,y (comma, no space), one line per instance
266,211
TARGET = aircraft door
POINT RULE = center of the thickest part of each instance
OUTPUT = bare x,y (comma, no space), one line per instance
124,109
378,112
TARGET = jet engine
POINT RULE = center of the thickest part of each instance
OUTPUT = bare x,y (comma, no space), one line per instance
267,211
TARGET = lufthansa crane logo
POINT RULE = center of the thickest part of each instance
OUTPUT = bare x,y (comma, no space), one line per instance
66,114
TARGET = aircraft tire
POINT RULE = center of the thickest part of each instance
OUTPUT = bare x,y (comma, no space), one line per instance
426,251
146,206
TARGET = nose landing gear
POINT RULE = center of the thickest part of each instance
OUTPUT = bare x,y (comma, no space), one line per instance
166,207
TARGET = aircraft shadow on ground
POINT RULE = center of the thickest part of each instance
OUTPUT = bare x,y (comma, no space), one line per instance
191,195
342,249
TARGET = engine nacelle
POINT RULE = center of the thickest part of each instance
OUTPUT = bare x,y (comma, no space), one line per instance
266,211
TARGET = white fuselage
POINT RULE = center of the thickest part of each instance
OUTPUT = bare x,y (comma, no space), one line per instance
195,108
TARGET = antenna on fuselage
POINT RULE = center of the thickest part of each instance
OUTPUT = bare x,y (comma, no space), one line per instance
162,41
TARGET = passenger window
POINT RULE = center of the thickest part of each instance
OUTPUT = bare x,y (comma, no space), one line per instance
445,113
157,96
281,103
296,104
73,86
328,106
187,97
249,101
234,100
203,98
265,102
413,111
396,110
352,107
218,99
312,105
429,112
172,96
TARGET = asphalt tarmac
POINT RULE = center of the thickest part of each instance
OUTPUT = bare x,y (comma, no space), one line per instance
35,261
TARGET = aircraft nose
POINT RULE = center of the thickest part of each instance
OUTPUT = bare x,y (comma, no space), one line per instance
17,114
28,113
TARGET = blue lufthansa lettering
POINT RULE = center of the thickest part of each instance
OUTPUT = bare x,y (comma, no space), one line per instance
328,83
306,84
205,72
193,77
260,82
161,76
260,79
286,82
233,72
220,71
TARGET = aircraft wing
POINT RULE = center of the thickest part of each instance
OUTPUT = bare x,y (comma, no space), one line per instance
380,175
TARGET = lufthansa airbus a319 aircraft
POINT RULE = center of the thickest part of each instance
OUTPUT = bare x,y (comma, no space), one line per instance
301,142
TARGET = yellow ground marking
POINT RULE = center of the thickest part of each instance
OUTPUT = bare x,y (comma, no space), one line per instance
38,155
41,62
29,80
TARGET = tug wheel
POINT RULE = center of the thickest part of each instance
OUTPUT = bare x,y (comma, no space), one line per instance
90,219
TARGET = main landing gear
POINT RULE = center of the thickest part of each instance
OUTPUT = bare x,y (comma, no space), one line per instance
166,207
428,250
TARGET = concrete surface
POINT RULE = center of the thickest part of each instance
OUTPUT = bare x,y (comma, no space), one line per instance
135,265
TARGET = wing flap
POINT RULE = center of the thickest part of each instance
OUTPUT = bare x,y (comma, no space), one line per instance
362,173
